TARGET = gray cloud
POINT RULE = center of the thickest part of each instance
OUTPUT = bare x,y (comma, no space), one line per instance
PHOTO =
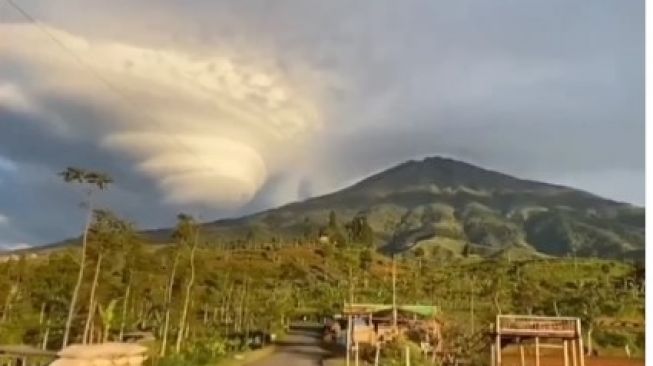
545,90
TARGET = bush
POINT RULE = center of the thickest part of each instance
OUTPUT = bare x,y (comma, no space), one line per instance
611,339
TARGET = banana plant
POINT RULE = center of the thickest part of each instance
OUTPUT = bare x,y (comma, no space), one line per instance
108,317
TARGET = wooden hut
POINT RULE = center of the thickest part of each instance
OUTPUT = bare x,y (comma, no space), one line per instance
558,332
375,324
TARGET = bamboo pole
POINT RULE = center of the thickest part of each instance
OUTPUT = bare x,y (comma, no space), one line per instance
565,350
573,353
492,355
521,354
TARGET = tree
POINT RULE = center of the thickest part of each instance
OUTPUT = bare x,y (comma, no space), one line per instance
108,234
133,254
360,231
527,294
107,314
466,250
91,181
187,235
168,301
309,233
590,303
335,232
365,259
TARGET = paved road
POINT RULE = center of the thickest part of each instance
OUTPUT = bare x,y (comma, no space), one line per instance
299,348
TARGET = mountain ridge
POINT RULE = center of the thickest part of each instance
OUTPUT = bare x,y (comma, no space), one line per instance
405,205
443,205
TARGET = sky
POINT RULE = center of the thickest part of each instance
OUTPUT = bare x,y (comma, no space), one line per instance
223,108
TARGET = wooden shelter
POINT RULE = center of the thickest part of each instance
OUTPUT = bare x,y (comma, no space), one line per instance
374,324
520,329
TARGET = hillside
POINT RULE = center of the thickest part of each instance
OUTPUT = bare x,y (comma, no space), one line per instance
448,207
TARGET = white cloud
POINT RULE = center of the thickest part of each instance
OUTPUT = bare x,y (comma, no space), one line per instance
12,98
15,246
208,128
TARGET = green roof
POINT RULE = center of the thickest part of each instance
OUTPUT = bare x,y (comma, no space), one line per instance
423,310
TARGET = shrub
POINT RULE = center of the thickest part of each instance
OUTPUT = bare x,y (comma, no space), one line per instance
611,339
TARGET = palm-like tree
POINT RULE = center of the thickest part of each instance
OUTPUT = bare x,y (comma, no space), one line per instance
91,181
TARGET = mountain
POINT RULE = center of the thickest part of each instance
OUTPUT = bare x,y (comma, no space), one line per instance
452,208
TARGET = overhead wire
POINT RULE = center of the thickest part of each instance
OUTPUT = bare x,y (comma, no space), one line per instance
104,81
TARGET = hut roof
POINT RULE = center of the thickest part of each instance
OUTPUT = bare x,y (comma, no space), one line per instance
360,309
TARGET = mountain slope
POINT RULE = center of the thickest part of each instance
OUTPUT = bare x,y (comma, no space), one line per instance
448,208
439,202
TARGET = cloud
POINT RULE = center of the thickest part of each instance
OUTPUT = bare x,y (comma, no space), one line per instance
15,246
7,165
206,128
232,107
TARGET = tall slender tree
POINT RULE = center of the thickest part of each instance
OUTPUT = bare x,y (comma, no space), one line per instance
187,234
91,181
107,235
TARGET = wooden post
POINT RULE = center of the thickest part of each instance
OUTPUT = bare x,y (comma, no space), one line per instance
498,349
565,350
356,352
498,342
521,353
537,351
493,361
377,354
573,353
581,351
407,356
349,328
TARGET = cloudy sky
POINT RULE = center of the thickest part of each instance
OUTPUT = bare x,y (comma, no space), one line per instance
221,108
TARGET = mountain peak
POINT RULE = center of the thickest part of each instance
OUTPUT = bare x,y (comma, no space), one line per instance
444,172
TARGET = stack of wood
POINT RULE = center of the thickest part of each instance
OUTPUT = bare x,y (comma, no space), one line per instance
103,354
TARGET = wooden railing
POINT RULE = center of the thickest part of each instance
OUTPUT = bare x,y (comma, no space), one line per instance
537,325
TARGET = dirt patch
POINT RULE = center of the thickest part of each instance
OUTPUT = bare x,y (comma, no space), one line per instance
551,360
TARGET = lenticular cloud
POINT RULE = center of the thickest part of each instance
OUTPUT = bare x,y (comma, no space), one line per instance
206,128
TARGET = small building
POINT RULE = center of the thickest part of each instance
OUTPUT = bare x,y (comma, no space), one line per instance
380,323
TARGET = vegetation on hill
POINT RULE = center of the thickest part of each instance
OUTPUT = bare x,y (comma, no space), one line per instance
425,203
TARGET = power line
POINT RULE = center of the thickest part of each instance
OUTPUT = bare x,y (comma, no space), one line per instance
105,82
